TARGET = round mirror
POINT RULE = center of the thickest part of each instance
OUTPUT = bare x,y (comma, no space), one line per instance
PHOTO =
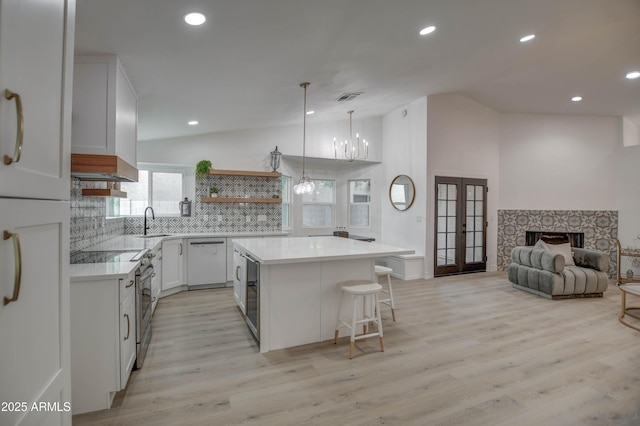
402,192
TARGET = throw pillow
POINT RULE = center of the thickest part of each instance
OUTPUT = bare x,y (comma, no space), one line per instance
565,251
541,245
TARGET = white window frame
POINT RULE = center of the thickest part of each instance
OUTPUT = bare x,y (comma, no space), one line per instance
332,205
350,203
186,172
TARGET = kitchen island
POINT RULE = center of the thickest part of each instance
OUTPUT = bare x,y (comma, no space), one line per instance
297,281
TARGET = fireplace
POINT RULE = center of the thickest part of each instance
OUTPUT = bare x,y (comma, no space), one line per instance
551,237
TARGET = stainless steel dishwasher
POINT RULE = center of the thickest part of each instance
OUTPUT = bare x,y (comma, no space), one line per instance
206,262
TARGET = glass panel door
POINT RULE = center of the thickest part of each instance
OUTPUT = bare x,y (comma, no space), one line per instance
460,243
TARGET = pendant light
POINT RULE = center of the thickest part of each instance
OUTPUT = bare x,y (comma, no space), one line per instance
351,149
304,185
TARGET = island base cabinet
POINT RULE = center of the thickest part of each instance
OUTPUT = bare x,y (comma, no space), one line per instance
34,325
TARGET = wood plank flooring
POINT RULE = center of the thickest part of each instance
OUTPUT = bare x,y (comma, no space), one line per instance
465,350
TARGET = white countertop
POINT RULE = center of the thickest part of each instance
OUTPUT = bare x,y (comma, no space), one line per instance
116,270
270,251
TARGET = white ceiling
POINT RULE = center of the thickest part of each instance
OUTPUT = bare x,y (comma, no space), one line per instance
242,68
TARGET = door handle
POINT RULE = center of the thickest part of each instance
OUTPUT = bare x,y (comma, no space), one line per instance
128,326
8,94
18,266
237,272
130,284
180,254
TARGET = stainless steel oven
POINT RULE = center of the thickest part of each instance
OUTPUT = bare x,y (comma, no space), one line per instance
144,274
253,297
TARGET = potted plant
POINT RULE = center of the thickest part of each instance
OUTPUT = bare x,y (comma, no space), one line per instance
213,191
202,168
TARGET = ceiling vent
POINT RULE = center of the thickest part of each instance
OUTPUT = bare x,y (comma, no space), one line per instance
345,97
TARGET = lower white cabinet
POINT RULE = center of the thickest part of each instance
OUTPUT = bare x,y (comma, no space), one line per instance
34,328
173,258
240,281
103,340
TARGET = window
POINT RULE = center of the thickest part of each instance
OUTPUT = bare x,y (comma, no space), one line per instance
286,202
318,207
161,189
359,203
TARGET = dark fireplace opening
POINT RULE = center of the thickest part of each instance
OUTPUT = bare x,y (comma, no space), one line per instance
576,239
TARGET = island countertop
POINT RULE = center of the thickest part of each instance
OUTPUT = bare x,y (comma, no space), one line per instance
272,251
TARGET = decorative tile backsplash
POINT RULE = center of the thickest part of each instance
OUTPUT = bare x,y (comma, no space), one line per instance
600,228
222,217
89,224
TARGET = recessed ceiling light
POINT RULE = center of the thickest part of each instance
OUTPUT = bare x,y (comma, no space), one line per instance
194,18
427,30
527,38
192,122
310,112
576,98
633,75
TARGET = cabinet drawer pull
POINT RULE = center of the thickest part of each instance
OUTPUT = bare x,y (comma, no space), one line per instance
18,266
238,272
8,94
180,250
128,326
130,284
154,299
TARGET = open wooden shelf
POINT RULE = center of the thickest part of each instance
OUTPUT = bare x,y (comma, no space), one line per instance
240,200
244,173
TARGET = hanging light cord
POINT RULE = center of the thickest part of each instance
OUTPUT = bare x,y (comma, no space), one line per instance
304,128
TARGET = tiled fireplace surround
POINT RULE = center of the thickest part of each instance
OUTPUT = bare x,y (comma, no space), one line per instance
90,226
600,228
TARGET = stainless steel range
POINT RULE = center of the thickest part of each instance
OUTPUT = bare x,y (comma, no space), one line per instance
144,274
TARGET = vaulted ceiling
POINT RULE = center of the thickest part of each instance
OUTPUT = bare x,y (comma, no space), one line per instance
242,68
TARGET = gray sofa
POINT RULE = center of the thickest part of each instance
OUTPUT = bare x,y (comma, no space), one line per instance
544,273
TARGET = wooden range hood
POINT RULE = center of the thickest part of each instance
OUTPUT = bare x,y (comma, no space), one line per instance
102,168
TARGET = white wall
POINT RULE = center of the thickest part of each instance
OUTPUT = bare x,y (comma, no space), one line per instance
462,141
558,162
630,133
405,153
628,202
249,150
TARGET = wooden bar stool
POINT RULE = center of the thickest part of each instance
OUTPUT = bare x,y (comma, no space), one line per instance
383,270
360,288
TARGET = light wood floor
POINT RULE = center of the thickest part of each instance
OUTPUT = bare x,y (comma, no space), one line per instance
465,350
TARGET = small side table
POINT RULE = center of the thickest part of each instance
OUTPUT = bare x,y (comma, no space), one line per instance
628,286
633,289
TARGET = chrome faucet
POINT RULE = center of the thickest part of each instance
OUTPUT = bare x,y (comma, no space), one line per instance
153,216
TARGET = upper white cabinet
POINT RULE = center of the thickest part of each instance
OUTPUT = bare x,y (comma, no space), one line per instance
34,310
36,54
105,108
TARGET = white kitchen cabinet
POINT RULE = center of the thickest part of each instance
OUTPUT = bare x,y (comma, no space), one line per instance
103,340
105,108
34,329
230,257
240,280
173,264
127,335
36,54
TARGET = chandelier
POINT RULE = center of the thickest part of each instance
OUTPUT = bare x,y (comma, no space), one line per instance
351,149
304,185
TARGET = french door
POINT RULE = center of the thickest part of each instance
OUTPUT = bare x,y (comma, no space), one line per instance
460,225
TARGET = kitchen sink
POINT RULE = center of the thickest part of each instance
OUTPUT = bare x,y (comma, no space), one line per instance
152,235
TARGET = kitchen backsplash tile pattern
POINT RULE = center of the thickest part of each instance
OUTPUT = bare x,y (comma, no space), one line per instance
89,224
222,217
